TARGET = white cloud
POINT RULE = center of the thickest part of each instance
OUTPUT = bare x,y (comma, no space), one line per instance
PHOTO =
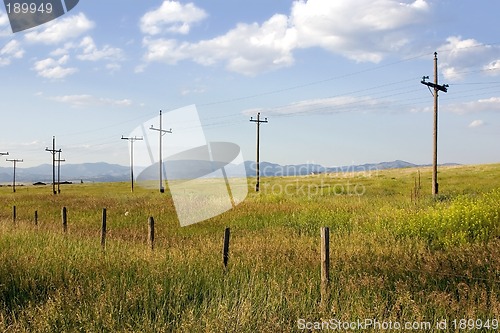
476,123
481,105
51,68
4,19
87,50
187,91
11,50
362,30
60,30
61,51
113,67
171,16
458,55
323,106
90,51
493,68
5,29
248,49
89,100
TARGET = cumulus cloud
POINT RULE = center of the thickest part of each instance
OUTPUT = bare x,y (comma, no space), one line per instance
360,30
54,69
60,30
476,123
458,54
173,17
85,100
11,50
91,52
246,49
87,50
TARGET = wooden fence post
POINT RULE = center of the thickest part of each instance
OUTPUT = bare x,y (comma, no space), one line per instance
14,214
151,232
103,229
36,217
325,264
65,219
225,249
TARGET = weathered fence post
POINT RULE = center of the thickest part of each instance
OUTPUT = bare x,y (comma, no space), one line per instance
151,232
325,263
225,249
103,229
14,214
36,217
65,219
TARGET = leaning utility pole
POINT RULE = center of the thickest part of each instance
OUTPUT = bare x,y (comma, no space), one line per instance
258,121
132,140
436,87
14,180
59,170
53,151
162,133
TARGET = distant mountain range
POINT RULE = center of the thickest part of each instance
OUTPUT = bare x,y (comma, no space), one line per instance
89,172
104,172
272,169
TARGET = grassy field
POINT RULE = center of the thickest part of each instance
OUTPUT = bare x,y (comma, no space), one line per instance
396,257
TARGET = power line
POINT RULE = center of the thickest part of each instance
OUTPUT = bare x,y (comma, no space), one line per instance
132,140
258,122
162,132
339,77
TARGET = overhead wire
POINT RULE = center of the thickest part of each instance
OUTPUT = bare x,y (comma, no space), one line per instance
231,119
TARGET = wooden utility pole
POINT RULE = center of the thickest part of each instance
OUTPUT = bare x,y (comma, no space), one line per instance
14,180
53,151
162,133
258,122
59,160
132,140
436,87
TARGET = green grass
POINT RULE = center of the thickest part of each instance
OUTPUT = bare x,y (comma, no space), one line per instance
393,257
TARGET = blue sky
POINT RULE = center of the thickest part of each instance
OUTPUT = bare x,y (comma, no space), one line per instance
338,80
